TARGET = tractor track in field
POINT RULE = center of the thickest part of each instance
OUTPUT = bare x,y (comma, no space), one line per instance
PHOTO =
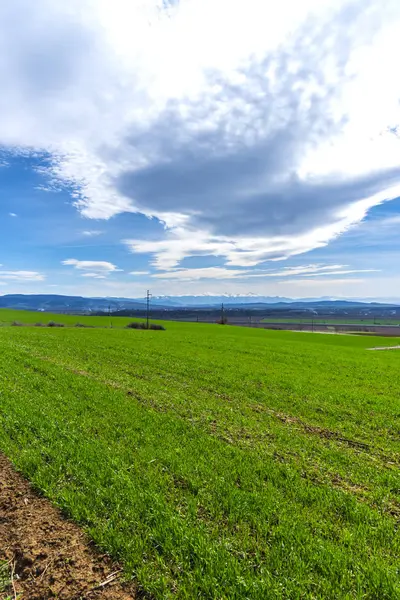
327,434
43,555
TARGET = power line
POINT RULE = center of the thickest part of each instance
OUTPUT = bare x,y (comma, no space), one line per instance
222,314
148,296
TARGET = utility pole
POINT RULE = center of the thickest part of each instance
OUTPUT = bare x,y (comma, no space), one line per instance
222,314
109,315
148,296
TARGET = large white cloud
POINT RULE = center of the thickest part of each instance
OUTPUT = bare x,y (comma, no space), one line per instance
254,130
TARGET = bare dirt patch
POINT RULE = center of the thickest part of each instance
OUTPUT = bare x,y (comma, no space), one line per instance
46,555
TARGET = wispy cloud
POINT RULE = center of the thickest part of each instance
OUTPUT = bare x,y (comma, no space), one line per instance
92,232
218,273
21,276
94,275
319,284
306,270
92,268
348,272
139,273
11,214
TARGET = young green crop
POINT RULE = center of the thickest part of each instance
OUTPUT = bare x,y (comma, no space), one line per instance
215,462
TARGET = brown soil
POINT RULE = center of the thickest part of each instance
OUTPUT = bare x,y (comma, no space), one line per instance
47,555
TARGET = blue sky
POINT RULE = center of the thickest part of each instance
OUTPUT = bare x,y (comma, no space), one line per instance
200,147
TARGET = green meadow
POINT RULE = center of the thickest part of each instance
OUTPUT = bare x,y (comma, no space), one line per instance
214,461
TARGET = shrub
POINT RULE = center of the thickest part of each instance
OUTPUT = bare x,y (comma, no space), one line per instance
136,325
38,324
222,321
16,324
54,324
82,325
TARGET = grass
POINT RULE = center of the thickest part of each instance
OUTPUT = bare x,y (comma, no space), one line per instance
5,579
215,462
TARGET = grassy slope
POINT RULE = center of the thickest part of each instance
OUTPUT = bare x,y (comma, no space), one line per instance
215,462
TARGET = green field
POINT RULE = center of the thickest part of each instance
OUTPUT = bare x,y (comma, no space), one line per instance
8,316
334,321
214,462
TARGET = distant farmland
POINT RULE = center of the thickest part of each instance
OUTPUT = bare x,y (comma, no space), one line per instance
213,462
333,321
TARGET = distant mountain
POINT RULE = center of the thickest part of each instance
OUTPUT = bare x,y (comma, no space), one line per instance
67,304
253,301
228,299
79,304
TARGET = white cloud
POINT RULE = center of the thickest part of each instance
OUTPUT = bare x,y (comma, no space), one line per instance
348,272
320,284
268,140
94,275
11,214
308,269
92,232
219,273
92,268
171,250
138,273
21,276
250,251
